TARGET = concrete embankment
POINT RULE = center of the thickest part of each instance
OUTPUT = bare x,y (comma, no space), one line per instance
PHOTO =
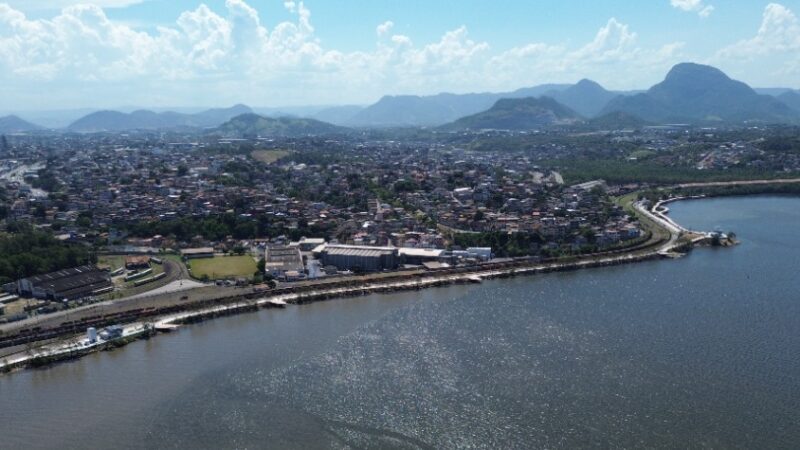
165,311
168,318
72,349
148,308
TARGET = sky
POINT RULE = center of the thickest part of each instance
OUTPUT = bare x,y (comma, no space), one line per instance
65,54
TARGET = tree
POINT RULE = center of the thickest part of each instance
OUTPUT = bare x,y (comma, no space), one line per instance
261,265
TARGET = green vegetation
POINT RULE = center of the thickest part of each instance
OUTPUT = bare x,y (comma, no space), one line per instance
642,154
252,125
219,227
223,267
113,262
27,252
650,171
747,189
655,230
269,156
518,114
46,180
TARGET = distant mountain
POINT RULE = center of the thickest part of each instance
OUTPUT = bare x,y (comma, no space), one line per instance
215,116
434,110
337,115
696,93
771,91
13,124
518,114
252,125
791,99
149,120
586,97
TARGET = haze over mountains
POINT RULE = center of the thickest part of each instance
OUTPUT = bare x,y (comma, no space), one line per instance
690,93
791,99
149,120
253,125
434,110
696,93
13,124
518,114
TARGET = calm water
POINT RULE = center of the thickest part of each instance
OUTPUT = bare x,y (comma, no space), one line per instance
698,352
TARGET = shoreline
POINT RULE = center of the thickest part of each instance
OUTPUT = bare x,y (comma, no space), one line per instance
63,348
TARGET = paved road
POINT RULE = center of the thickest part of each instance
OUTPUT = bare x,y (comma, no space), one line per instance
740,183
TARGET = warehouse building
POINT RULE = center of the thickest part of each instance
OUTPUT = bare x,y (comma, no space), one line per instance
419,256
194,253
283,262
358,258
67,284
309,244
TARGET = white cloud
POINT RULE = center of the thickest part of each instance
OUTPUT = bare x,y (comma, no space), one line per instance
697,6
775,48
612,42
607,58
779,32
384,28
208,57
45,5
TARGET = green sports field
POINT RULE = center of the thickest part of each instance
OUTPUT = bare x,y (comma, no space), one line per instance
223,267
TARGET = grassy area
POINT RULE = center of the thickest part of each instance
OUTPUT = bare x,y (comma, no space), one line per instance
223,267
114,262
269,156
650,170
18,306
627,201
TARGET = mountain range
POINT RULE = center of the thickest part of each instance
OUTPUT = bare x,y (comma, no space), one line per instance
149,120
519,114
690,93
435,110
586,97
13,124
254,125
791,99
696,93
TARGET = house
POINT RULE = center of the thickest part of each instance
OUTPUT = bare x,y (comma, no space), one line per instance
133,262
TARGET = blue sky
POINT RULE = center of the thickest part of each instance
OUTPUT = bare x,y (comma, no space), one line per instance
278,53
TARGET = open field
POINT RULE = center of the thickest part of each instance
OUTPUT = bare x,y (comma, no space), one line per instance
223,267
269,156
113,262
